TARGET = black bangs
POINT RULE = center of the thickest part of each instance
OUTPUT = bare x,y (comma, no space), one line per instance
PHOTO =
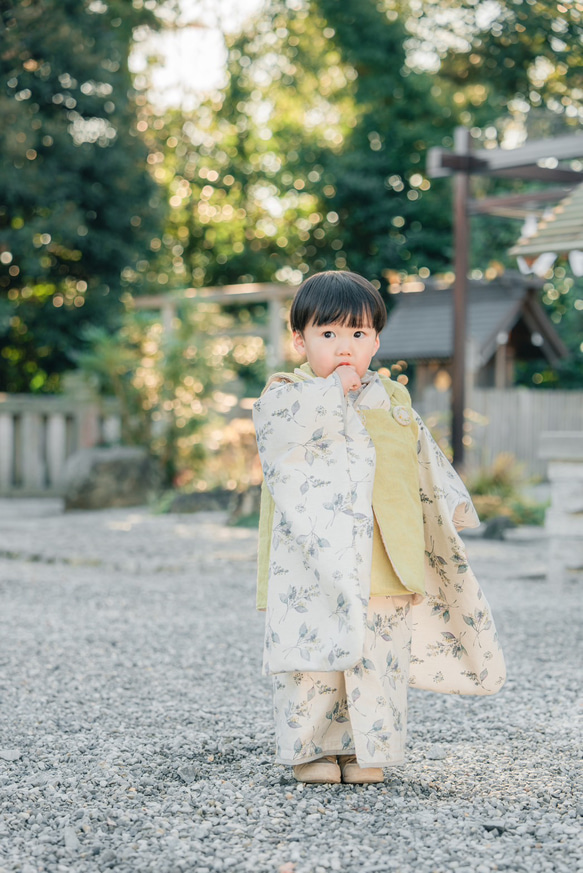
337,297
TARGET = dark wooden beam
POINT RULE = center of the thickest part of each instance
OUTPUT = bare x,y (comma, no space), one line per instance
441,162
536,174
518,205
461,267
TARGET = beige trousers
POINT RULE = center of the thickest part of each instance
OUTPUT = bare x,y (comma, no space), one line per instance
362,711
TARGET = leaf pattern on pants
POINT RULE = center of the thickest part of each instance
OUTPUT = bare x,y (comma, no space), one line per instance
360,711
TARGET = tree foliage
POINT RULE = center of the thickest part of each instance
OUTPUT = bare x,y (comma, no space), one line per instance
311,158
175,390
77,206
530,51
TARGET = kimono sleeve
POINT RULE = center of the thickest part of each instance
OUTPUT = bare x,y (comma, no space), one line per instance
439,481
318,463
300,424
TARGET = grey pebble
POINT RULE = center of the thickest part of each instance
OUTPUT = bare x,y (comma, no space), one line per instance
70,838
188,773
10,754
145,733
436,753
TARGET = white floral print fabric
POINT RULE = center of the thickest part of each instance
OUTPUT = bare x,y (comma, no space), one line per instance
362,711
455,647
319,462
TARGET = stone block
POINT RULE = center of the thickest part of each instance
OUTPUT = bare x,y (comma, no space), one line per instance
564,524
568,471
567,496
109,477
558,445
565,559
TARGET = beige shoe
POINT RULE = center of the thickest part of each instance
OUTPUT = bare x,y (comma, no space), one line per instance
322,770
354,774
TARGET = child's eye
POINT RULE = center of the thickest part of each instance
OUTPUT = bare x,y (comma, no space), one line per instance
359,333
329,334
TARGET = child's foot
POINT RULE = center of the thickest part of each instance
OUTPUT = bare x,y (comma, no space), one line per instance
354,774
323,770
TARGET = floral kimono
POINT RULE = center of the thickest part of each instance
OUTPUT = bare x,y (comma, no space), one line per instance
339,651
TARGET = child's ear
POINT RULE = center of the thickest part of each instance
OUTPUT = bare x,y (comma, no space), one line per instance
298,342
377,343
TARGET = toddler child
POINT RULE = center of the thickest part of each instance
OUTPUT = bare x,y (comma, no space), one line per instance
361,571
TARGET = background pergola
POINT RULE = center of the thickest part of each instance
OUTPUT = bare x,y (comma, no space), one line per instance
560,233
535,161
273,294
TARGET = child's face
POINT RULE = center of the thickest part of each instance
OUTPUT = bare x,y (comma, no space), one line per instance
332,345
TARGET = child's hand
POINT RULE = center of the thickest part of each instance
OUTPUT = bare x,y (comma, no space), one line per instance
349,378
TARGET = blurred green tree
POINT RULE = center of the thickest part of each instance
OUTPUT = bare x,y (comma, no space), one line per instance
175,390
391,216
527,53
311,159
77,206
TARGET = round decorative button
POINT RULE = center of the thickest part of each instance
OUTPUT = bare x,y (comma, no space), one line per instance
402,415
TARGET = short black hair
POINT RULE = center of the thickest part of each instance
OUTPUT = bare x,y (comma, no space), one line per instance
337,297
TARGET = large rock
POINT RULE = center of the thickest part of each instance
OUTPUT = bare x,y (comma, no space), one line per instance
201,501
109,477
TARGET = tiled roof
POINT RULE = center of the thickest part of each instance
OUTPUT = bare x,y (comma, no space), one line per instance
420,325
561,233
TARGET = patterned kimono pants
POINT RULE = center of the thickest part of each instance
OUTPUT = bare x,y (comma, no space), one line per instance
362,711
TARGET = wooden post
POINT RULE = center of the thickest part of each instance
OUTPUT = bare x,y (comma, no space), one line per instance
274,351
32,452
56,439
500,366
168,316
6,453
461,264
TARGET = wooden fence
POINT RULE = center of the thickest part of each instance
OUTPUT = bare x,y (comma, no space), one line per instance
39,433
508,420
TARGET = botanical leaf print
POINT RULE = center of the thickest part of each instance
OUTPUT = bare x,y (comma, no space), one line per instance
477,680
338,714
382,626
358,712
458,556
448,645
392,672
339,503
307,642
297,599
342,611
336,653
318,462
322,531
318,447
282,535
440,606
436,562
480,621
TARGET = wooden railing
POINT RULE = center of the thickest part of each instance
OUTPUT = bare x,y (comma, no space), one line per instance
39,433
509,420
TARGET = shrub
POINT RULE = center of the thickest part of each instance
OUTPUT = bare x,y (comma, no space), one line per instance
497,491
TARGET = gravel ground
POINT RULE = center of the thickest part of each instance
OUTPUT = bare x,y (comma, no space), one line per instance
136,731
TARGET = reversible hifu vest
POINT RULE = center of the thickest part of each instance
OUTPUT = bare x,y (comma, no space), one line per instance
398,557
